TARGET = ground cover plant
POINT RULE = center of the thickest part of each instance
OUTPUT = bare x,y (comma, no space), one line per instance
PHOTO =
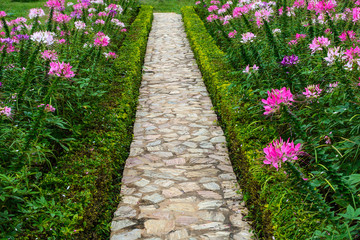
291,100
69,84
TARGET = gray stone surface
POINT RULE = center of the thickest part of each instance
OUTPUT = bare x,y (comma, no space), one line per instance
178,182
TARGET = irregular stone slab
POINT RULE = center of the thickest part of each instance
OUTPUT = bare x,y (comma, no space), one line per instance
159,227
178,182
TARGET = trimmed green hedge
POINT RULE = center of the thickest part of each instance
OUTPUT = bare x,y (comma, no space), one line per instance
85,185
218,76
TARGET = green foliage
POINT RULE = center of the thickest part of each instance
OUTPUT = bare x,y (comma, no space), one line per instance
73,193
281,203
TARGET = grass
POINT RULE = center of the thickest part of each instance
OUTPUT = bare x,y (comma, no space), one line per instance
168,5
21,9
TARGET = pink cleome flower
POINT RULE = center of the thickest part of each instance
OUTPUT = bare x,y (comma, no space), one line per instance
325,6
213,8
2,14
110,55
232,34
275,98
49,55
61,69
347,35
279,152
47,108
247,37
318,43
212,17
101,40
238,11
56,4
312,91
5,111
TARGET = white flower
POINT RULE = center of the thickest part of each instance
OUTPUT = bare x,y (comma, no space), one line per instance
80,25
36,12
97,1
117,22
91,10
43,37
70,4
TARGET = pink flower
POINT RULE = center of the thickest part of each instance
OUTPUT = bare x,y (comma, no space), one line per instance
275,98
5,111
61,69
325,6
102,14
247,37
213,8
47,108
279,152
327,140
333,85
299,4
56,4
197,3
298,36
318,43
293,42
238,11
351,35
110,55
61,18
312,91
356,14
62,41
281,11
212,17
100,21
49,55
101,40
2,14
232,34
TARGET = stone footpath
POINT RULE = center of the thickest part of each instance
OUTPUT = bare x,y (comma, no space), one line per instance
178,181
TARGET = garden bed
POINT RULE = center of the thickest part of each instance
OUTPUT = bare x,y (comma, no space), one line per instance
314,193
62,161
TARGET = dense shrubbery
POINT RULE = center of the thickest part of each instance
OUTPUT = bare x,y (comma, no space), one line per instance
294,75
68,95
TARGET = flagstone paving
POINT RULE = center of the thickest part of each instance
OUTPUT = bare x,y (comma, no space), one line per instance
178,181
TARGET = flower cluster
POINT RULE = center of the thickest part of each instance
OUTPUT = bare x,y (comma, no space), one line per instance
5,111
43,37
47,108
290,60
318,43
312,91
36,12
110,55
50,55
101,40
247,37
279,152
61,69
275,98
232,34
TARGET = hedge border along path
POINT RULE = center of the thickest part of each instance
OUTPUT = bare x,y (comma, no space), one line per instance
108,141
178,181
218,74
